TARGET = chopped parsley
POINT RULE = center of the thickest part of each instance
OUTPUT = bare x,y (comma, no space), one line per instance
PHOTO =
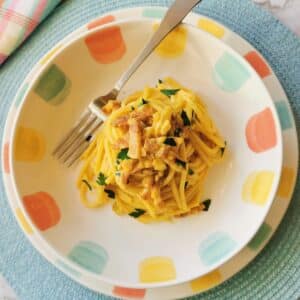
123,154
180,163
160,81
118,173
111,194
170,93
143,102
170,142
206,204
223,149
177,132
190,171
87,184
185,119
137,213
101,180
88,138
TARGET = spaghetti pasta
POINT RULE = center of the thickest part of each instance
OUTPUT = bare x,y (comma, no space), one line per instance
152,154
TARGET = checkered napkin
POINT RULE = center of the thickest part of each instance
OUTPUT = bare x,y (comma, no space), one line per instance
18,19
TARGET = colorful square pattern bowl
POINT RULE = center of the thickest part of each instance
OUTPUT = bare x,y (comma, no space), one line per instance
99,245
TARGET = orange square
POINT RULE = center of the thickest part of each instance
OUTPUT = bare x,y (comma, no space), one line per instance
129,293
101,21
258,64
107,45
6,158
42,209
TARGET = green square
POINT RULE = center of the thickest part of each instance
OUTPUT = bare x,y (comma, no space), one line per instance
90,256
261,235
51,84
230,74
284,115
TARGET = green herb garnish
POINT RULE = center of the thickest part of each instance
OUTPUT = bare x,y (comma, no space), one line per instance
206,204
110,193
87,184
118,173
137,213
180,163
185,119
160,81
101,180
223,149
143,102
170,142
88,138
177,132
170,93
123,154
190,171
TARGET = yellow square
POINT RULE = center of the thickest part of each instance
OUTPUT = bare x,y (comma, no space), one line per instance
211,27
26,227
157,269
286,182
206,282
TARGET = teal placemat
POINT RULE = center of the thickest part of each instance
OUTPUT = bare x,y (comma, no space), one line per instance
275,273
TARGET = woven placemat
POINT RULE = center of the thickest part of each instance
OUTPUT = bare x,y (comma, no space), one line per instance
275,273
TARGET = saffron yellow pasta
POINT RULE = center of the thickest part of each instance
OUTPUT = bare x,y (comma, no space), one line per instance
152,155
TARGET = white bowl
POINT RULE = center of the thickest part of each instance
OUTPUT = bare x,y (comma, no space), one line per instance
101,245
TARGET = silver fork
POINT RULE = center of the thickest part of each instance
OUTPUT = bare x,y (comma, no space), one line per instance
78,138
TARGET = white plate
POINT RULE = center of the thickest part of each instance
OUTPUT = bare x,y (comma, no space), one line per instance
97,242
271,222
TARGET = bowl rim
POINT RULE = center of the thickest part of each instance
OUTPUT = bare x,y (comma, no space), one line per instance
12,162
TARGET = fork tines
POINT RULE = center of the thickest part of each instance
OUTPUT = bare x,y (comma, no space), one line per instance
78,139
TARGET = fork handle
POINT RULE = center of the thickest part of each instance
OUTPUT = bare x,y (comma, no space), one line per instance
175,14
